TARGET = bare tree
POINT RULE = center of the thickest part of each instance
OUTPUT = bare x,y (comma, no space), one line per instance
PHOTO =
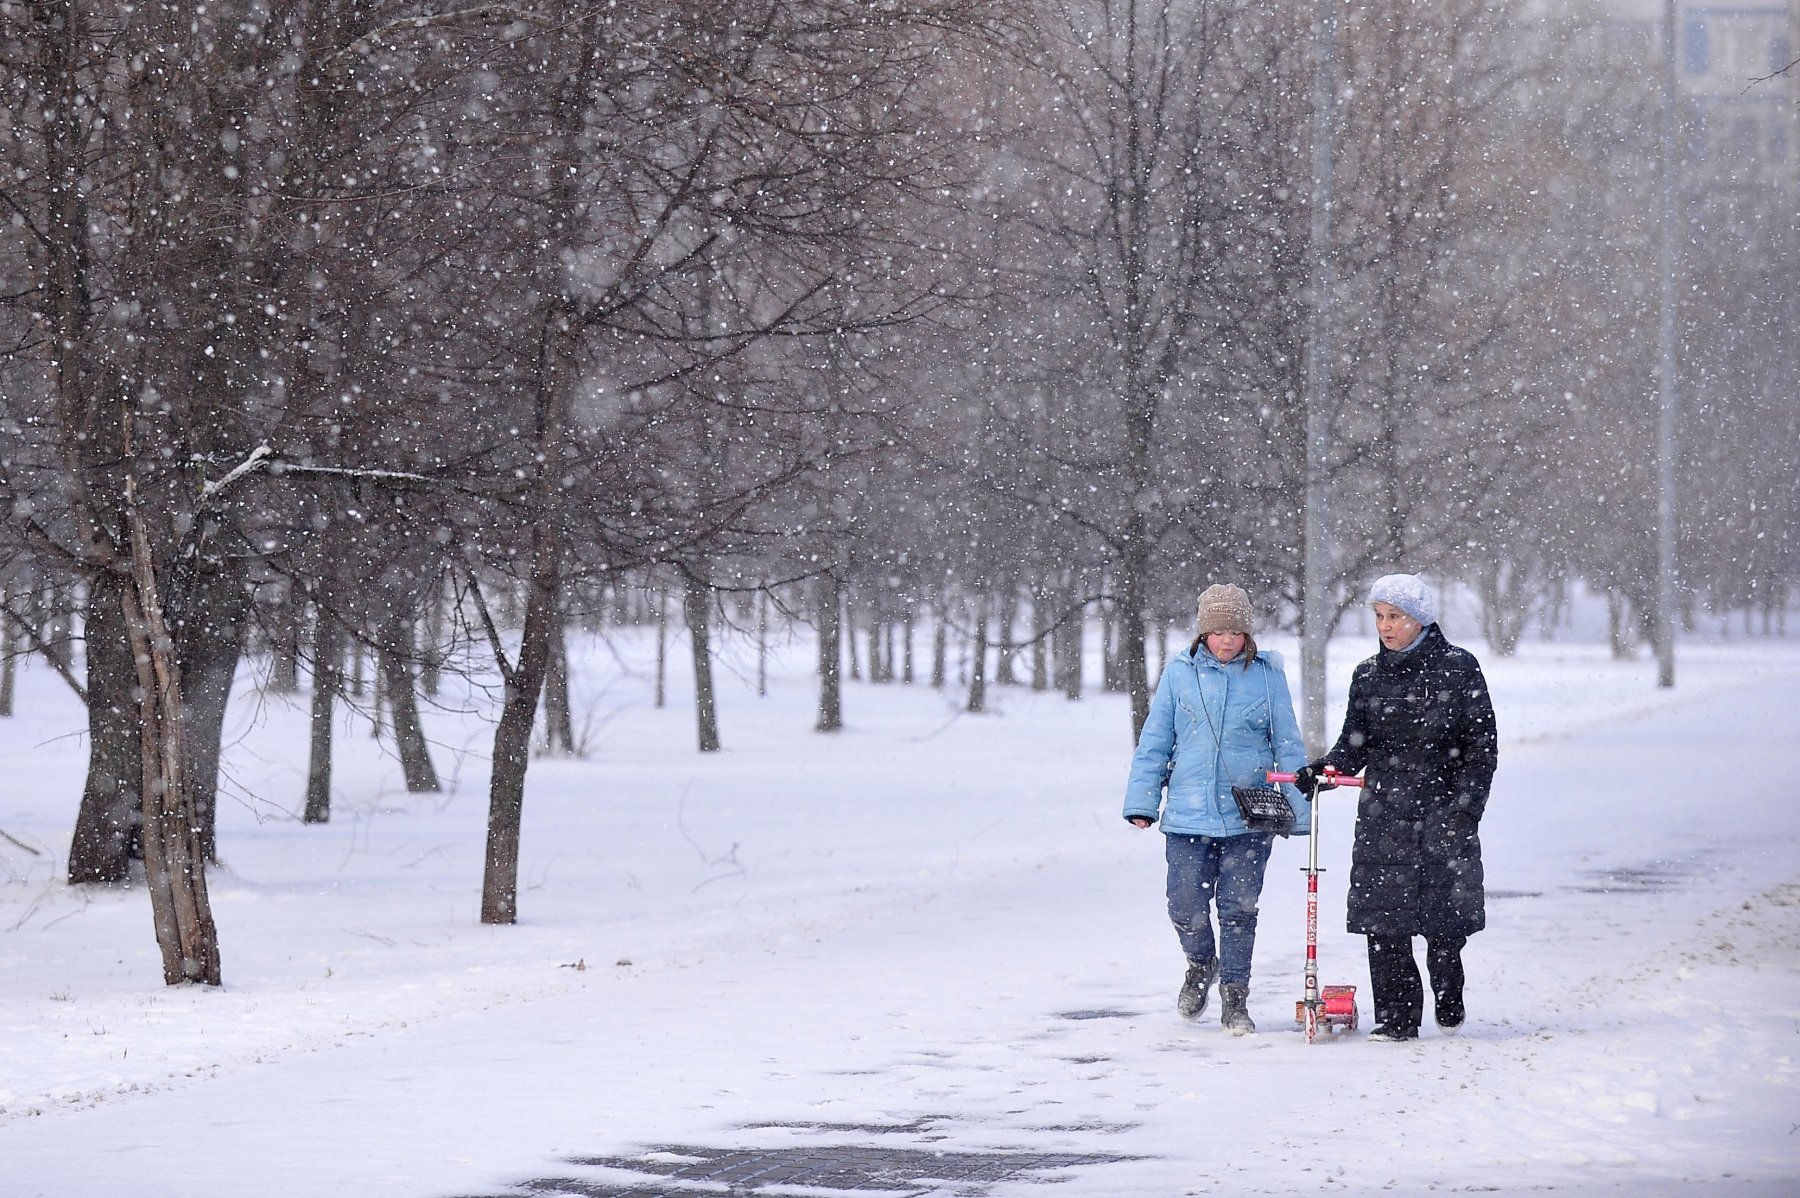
713,181
167,196
1115,190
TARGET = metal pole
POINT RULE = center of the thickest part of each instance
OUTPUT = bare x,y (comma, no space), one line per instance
1315,567
1665,424
1309,992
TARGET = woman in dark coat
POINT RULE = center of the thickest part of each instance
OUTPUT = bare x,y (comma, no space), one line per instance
1421,725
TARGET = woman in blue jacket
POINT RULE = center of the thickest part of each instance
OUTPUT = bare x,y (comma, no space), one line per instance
1220,718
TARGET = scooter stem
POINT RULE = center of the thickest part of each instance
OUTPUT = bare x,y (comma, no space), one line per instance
1311,991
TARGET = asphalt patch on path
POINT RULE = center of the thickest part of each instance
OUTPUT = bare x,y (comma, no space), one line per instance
896,1170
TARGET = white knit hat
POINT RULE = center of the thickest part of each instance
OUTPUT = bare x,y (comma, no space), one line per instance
1408,592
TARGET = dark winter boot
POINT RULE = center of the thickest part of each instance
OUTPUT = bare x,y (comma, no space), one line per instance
1234,1008
1191,1002
1449,1010
1393,1032
1443,956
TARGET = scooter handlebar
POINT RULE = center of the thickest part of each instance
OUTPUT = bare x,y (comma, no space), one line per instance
1331,776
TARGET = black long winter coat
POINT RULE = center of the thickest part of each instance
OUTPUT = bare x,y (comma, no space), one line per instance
1420,729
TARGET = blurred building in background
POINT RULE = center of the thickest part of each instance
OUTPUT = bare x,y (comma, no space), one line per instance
1741,95
1738,79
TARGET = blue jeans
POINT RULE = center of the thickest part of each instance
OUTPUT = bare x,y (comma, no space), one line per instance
1228,871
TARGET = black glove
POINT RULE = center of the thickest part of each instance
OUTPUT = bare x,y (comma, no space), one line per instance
1312,777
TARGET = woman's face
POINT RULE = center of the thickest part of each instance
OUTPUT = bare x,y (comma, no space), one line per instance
1225,645
1396,629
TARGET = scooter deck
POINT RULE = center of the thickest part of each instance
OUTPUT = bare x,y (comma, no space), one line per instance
1337,1008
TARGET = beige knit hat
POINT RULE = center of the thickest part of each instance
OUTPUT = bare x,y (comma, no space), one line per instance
1225,608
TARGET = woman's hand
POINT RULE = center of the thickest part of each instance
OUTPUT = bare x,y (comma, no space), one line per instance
1138,821
1311,779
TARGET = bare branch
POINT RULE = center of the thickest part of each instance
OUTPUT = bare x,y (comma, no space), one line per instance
462,18
42,647
507,670
1771,75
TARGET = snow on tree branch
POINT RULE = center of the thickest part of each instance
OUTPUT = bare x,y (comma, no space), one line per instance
263,458
259,458
404,476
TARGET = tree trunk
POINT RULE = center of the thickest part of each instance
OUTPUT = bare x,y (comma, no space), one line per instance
431,653
1134,573
662,646
849,636
403,706
359,681
1005,673
174,865
211,643
328,652
878,667
696,602
1071,643
9,665
512,736
284,647
58,625
1618,626
1505,606
906,646
1040,637
108,825
1068,659
1109,648
377,692
559,718
762,643
831,651
9,647
978,662
939,650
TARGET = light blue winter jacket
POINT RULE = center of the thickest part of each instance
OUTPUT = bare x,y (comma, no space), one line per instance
1251,729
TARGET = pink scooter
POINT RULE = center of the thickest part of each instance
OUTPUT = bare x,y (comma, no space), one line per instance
1334,1007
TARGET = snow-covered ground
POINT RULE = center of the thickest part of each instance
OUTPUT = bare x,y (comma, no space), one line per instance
928,941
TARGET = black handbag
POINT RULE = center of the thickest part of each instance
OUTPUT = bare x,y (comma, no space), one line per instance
1265,809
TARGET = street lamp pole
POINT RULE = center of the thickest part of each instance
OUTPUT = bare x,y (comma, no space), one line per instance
1665,424
1313,613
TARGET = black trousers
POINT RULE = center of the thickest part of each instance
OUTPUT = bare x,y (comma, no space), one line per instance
1394,976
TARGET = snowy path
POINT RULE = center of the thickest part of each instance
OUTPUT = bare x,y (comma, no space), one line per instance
978,964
